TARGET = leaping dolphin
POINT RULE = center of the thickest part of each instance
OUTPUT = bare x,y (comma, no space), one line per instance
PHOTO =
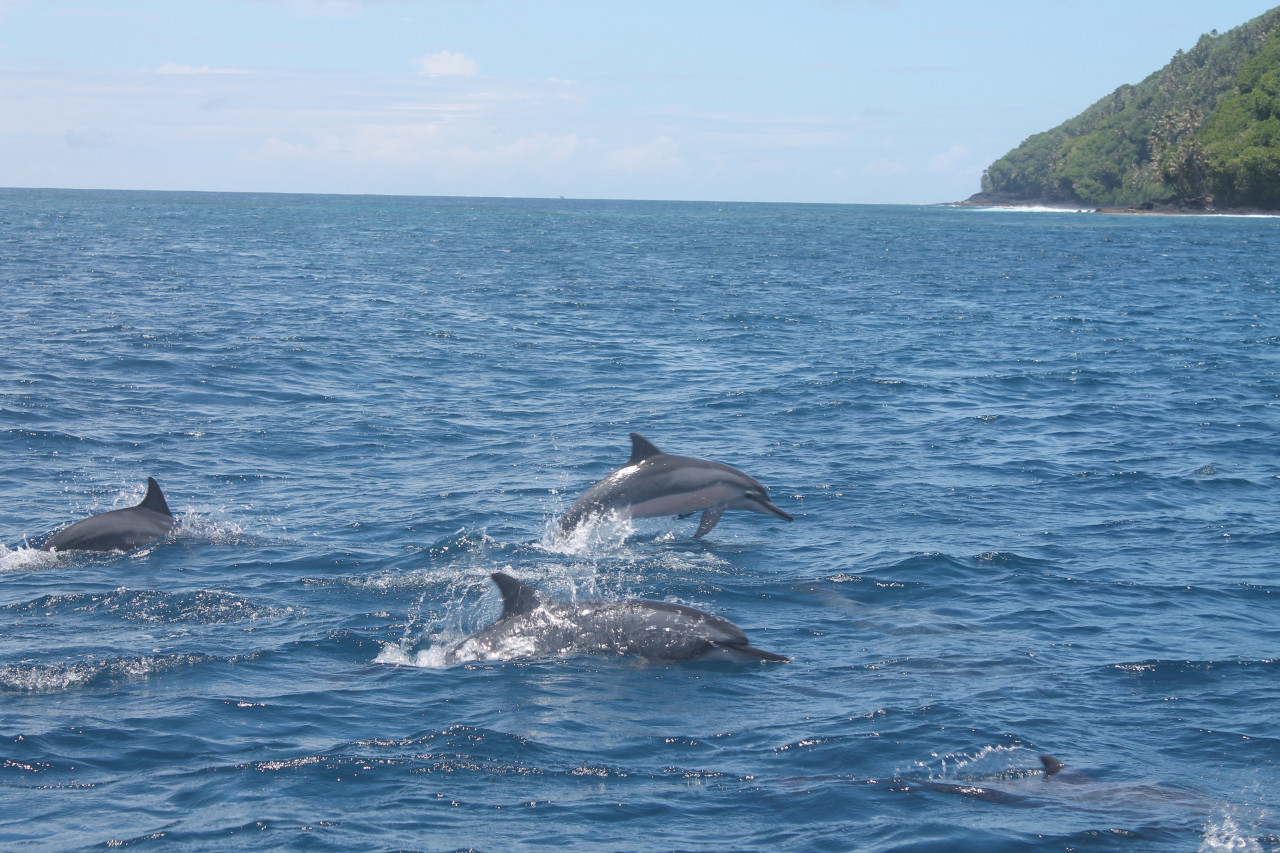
120,529
652,630
653,483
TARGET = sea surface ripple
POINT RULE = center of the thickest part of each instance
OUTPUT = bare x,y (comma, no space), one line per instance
1032,459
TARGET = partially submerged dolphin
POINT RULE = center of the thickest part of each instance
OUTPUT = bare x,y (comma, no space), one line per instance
654,630
1055,782
120,529
1019,789
653,483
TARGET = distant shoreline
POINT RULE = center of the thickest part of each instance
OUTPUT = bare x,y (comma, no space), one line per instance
1166,208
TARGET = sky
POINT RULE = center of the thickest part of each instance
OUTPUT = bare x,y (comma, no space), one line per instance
827,101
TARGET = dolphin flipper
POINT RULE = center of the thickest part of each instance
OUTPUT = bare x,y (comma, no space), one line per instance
710,518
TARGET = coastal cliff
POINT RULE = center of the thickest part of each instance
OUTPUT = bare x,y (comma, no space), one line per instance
1201,133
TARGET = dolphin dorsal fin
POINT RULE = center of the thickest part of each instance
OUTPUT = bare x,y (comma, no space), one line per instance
154,500
517,597
1051,765
641,449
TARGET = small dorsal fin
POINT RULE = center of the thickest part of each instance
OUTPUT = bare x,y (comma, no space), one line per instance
641,449
517,597
1051,765
154,500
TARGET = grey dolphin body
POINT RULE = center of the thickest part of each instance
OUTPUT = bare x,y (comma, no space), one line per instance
1057,783
653,483
120,529
1007,791
653,630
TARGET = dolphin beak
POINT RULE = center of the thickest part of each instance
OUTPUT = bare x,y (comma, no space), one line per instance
773,510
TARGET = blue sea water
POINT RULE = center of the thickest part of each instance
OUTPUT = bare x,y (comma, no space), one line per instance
1032,459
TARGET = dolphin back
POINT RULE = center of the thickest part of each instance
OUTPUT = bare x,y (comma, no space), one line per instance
652,630
660,631
609,493
120,529
726,640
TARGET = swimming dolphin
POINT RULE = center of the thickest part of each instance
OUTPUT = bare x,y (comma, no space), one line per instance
1011,790
653,483
120,529
653,630
1055,782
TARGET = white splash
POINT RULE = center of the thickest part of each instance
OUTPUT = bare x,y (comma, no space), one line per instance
1224,834
432,657
25,559
597,535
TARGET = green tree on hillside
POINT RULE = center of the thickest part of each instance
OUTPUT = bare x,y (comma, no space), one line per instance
1242,138
1206,125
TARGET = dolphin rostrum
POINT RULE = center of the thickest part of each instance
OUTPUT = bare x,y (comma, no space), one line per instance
653,483
653,630
120,529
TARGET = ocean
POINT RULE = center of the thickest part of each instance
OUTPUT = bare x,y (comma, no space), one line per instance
1032,459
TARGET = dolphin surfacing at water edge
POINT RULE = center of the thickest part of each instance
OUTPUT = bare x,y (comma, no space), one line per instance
1058,784
652,630
119,529
653,484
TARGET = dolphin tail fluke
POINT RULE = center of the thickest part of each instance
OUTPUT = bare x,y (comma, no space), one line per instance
154,500
517,597
710,518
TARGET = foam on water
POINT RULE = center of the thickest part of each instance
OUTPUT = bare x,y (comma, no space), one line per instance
1030,208
214,527
54,678
1224,833
24,558
433,657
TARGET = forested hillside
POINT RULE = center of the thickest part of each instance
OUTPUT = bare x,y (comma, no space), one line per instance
1203,130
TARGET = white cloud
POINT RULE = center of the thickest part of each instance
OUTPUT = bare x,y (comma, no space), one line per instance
328,8
89,139
447,64
661,153
175,68
883,167
949,161
7,6
436,147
